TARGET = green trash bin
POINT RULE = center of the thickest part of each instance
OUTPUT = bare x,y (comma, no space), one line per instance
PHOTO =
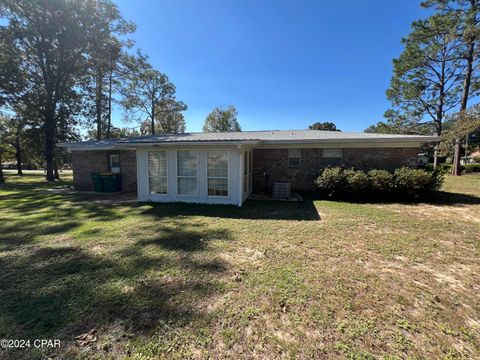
97,182
118,181
109,182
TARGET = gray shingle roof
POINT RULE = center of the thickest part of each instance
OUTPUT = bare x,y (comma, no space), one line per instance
265,137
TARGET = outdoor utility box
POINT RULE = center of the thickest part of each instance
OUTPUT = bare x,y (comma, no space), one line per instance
281,189
107,182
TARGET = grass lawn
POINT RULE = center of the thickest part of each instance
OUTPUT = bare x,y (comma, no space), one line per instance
318,279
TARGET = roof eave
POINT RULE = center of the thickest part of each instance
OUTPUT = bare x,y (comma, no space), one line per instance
189,143
416,139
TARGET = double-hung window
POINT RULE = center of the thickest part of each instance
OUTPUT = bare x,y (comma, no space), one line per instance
294,157
217,172
157,172
115,163
187,172
332,157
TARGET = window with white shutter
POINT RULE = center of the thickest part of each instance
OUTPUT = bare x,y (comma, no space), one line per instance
157,172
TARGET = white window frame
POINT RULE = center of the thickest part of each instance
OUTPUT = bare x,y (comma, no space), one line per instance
295,157
217,177
177,176
339,156
111,164
166,170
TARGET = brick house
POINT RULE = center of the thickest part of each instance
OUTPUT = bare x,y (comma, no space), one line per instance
225,168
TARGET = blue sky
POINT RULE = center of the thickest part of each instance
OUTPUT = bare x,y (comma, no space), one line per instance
282,64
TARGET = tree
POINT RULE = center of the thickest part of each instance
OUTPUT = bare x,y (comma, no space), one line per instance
326,126
2,150
398,123
461,124
170,119
222,119
115,132
12,74
14,136
467,11
428,74
53,36
105,53
150,96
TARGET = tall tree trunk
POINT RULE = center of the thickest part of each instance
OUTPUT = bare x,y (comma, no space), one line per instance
109,124
456,168
98,105
2,178
55,169
18,154
439,113
50,143
153,112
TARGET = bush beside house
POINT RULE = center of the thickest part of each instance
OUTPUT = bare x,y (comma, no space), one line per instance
405,182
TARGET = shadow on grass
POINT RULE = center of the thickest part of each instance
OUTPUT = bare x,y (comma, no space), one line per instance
441,198
251,209
62,292
61,289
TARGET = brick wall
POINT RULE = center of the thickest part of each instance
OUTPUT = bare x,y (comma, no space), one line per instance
379,158
84,163
275,161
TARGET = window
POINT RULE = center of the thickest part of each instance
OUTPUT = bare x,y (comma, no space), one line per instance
217,172
187,172
332,157
115,163
294,156
157,172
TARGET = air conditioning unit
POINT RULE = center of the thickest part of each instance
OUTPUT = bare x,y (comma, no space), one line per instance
281,189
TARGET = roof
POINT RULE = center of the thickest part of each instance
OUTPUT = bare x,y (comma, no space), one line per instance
474,154
249,137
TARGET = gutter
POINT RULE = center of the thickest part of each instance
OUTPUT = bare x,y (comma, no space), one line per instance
123,145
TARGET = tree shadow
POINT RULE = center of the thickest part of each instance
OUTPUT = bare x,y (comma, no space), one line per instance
61,292
449,198
441,198
251,210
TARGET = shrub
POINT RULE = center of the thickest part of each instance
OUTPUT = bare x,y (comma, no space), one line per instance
436,181
356,181
469,168
405,182
445,168
380,181
331,180
412,182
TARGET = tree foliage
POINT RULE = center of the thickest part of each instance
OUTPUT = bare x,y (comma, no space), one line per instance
64,63
326,126
222,119
467,11
53,37
428,74
398,123
460,125
149,96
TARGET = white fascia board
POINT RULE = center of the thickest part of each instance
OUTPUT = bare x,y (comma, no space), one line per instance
187,143
415,139
91,148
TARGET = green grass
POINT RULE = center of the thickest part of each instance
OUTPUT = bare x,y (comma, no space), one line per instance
318,279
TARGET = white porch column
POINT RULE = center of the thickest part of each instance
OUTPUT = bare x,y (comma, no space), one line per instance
240,174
